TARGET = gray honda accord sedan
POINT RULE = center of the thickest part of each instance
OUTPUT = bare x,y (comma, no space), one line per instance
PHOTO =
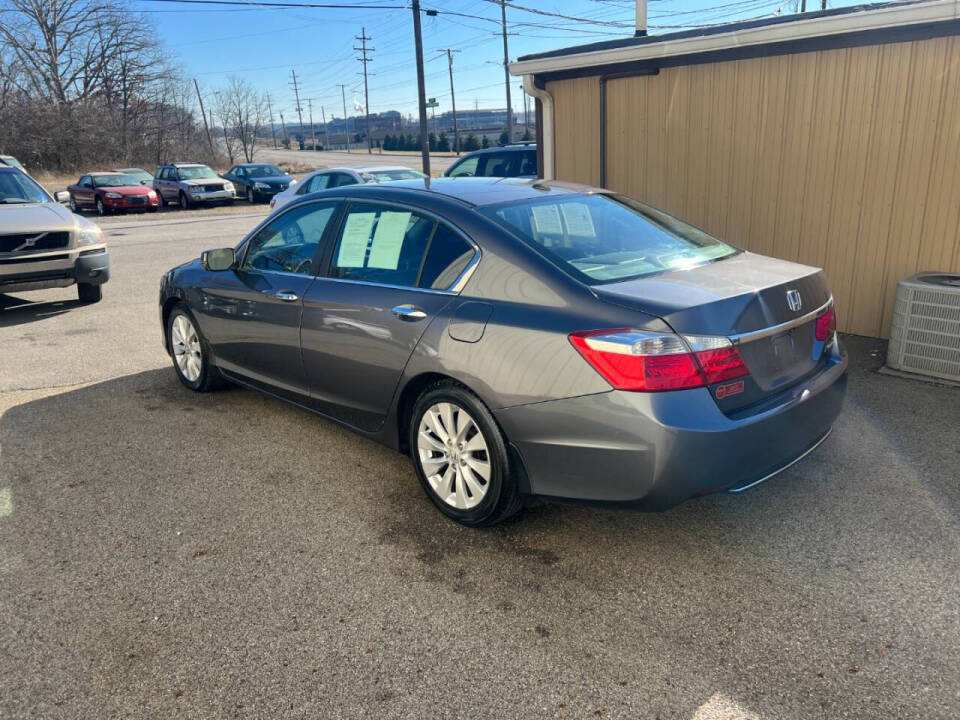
520,338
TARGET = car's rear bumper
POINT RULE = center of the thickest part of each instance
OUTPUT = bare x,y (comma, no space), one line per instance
655,450
90,266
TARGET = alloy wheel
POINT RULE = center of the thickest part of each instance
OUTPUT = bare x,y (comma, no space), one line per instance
187,352
100,209
73,204
453,454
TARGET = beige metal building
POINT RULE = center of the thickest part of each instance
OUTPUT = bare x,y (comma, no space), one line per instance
829,138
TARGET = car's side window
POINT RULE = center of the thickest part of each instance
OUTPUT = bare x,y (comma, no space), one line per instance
384,245
448,256
290,241
85,181
528,163
319,182
467,168
497,165
340,179
239,172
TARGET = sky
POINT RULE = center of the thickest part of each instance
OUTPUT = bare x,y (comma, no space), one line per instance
264,45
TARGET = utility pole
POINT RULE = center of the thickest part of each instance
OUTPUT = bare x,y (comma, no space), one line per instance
421,90
326,140
346,124
296,93
313,130
366,90
205,125
525,128
286,138
453,99
506,70
273,129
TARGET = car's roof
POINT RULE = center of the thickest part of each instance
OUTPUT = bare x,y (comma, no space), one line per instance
367,168
185,164
475,191
501,148
125,170
105,172
253,164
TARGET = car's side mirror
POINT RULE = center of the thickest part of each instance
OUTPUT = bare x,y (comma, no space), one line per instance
62,196
219,259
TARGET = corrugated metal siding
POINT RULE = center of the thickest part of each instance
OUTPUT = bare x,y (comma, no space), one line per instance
847,159
577,129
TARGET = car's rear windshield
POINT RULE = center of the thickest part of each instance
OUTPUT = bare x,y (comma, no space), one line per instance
16,188
600,238
196,172
258,171
115,181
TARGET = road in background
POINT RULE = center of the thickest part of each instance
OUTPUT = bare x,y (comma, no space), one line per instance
438,161
167,554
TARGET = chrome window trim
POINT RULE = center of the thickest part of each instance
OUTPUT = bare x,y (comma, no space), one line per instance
455,288
782,327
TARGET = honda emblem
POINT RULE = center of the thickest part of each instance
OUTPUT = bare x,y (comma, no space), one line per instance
794,301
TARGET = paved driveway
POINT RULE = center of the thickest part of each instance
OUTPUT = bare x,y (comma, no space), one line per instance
164,554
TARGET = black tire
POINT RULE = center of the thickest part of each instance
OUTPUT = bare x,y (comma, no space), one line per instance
73,205
185,201
161,203
89,293
209,378
101,210
251,196
502,498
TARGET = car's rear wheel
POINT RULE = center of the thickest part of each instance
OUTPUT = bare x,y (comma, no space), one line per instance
191,356
89,293
461,458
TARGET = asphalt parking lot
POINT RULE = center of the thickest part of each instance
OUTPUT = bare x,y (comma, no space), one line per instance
165,554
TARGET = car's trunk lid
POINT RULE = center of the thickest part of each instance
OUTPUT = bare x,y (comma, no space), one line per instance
747,298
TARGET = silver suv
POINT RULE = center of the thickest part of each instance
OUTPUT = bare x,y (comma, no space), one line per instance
43,244
190,184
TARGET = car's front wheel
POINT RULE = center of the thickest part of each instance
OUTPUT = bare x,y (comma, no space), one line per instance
73,205
184,201
191,358
461,458
251,198
101,210
89,293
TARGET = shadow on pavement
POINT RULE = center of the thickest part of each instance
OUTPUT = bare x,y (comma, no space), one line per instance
225,554
19,311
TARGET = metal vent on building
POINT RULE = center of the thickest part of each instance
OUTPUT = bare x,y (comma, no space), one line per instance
925,331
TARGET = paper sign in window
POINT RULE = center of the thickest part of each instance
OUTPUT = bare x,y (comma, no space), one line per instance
577,217
356,236
547,220
387,240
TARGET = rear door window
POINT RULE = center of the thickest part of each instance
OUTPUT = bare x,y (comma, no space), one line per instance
498,165
384,245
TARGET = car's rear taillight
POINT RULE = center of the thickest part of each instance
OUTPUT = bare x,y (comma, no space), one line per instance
652,362
826,324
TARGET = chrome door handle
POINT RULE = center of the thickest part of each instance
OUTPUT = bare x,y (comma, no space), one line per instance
409,312
286,296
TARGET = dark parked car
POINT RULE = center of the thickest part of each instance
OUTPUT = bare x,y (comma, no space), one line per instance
506,161
258,182
520,338
108,192
145,178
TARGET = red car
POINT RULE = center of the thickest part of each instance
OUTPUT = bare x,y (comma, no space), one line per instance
108,192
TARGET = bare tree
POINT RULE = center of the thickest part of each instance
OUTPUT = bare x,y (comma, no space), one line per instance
84,81
243,114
